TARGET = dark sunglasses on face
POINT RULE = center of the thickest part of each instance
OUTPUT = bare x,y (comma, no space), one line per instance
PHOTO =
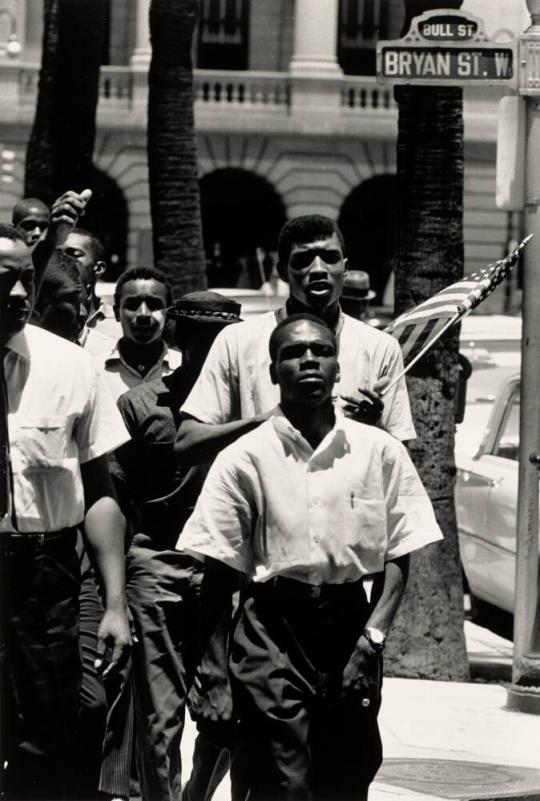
303,258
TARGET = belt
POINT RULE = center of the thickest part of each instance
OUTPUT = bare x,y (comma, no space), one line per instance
292,588
38,538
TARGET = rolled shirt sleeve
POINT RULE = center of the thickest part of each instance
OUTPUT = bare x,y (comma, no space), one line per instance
100,429
396,417
222,522
411,522
214,397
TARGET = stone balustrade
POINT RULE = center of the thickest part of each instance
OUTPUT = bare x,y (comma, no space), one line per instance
212,88
242,89
365,94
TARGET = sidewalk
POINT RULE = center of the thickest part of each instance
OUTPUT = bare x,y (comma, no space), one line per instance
448,740
444,740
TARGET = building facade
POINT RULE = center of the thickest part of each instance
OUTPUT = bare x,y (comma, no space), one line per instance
289,119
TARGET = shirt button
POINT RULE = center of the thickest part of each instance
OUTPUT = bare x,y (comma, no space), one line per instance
316,501
316,538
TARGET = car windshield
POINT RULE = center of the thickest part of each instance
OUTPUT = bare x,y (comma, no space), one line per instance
492,362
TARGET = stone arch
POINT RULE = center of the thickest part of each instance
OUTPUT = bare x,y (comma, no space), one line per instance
242,215
123,158
368,220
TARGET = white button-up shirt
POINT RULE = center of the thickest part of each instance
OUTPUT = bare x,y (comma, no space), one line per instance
61,415
271,505
235,380
120,376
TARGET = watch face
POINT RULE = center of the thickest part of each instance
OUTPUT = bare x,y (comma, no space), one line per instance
376,636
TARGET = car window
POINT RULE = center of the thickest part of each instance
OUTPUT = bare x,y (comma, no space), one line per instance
507,443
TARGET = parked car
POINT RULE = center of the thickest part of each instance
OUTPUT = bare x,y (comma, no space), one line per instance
486,499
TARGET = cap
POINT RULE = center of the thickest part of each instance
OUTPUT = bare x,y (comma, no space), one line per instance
356,286
205,307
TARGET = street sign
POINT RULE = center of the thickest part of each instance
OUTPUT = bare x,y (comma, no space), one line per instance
445,48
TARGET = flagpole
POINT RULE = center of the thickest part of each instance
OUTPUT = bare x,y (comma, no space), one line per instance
423,350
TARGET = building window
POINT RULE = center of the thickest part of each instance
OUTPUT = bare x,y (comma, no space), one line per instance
361,24
223,35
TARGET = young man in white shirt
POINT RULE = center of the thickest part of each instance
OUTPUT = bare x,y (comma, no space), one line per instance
62,422
141,297
307,505
234,393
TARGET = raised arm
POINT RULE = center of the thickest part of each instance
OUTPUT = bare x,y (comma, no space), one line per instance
65,213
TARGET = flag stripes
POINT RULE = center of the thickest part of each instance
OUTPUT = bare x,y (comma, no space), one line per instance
419,326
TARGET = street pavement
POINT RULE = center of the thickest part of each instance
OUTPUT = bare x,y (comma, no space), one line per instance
449,740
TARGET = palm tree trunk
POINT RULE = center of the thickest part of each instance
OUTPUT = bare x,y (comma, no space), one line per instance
427,640
172,155
59,153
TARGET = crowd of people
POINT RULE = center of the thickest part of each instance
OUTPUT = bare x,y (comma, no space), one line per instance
218,519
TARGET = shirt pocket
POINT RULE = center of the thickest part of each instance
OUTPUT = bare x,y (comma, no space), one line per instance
365,523
40,442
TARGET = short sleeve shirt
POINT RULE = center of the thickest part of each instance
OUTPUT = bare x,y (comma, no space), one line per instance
272,505
61,415
235,380
121,377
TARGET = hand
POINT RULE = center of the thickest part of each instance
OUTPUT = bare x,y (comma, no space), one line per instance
361,674
366,406
66,211
114,641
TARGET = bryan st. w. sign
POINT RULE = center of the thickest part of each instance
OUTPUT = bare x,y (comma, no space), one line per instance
448,49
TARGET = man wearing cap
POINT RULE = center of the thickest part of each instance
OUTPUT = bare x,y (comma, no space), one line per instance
356,294
162,584
234,393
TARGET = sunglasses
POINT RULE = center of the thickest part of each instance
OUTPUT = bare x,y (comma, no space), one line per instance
303,258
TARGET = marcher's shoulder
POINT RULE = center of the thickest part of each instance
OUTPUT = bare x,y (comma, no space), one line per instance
360,435
97,344
248,448
58,353
369,334
174,358
241,335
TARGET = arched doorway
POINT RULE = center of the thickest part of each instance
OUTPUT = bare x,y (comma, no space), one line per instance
242,215
368,220
106,216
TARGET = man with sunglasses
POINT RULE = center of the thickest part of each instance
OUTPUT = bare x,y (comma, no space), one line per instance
234,393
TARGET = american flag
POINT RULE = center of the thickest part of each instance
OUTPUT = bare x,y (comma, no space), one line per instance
419,328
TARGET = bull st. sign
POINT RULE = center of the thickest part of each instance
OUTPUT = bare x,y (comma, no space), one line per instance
446,48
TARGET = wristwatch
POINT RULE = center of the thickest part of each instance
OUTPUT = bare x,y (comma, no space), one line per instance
375,637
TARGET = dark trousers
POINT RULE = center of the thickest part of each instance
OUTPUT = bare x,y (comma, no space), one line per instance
101,761
164,601
39,663
305,739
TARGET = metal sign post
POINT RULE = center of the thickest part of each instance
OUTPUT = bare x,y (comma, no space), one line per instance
524,692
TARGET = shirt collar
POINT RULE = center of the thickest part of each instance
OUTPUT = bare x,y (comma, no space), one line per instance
101,313
282,314
115,356
288,433
18,343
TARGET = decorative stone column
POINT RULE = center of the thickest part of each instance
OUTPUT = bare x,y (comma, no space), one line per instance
141,54
315,38
140,59
314,69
